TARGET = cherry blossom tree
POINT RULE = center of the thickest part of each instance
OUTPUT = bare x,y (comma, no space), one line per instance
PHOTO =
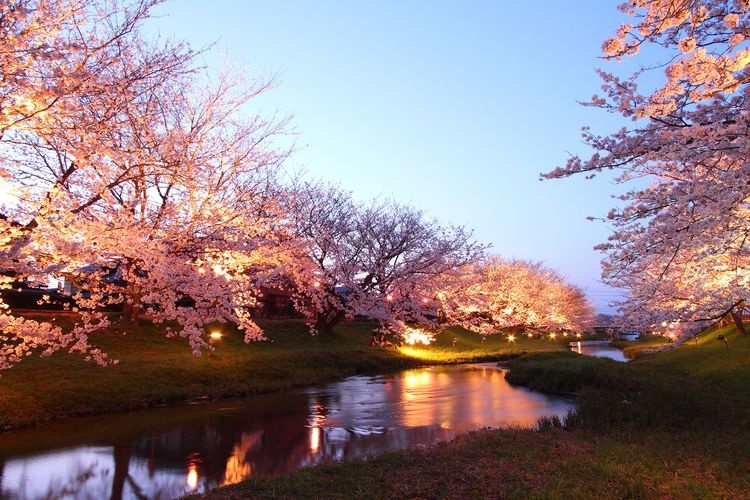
680,244
496,294
56,53
136,176
381,260
689,291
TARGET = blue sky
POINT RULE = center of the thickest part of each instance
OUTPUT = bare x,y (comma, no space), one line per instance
454,107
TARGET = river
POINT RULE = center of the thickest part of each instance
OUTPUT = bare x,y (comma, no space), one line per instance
168,452
598,349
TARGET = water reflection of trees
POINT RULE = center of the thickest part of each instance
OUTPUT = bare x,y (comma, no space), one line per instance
357,418
84,479
221,449
224,450
84,475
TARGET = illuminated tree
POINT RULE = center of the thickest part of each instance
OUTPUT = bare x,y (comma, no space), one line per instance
380,260
497,294
680,244
686,293
132,179
323,216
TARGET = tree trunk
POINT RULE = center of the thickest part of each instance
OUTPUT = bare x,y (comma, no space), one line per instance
122,464
131,311
131,308
737,318
326,322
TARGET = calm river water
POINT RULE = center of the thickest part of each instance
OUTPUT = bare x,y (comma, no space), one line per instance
169,452
598,349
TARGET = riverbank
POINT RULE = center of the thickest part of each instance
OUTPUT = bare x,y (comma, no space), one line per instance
156,371
674,424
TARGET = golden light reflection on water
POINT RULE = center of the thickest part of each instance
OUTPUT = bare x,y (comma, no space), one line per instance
316,420
416,380
464,399
238,468
314,439
192,476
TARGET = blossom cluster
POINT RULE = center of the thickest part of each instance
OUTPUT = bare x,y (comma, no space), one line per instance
680,244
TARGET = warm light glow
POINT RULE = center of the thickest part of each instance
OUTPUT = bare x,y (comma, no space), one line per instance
7,191
389,297
425,300
220,271
316,284
578,335
201,270
511,338
192,477
530,335
316,423
215,335
413,336
314,439
417,379
552,335
238,468
414,353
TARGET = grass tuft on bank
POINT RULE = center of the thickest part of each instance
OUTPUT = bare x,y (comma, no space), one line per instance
702,385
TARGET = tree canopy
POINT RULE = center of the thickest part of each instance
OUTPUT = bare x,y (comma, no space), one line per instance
150,186
133,181
680,244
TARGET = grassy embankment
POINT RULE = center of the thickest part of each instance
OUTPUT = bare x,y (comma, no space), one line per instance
670,425
155,370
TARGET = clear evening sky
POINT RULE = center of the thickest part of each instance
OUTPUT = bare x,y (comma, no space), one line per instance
453,107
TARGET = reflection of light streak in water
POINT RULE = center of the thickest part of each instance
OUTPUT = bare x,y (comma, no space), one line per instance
316,420
577,348
314,439
238,468
192,476
418,379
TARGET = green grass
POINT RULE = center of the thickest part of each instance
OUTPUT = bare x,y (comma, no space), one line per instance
633,349
457,345
155,370
673,424
695,386
522,464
